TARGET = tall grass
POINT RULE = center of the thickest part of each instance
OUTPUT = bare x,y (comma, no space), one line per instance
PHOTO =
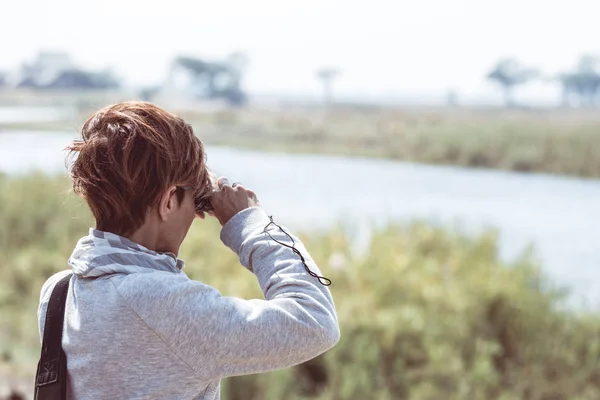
425,313
551,141
559,142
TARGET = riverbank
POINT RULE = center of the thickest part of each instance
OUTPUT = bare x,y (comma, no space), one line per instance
425,312
551,141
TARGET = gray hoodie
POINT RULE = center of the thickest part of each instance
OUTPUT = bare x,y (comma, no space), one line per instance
136,327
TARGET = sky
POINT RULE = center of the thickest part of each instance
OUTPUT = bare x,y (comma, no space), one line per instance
381,47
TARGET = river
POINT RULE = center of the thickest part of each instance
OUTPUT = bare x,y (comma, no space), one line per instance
558,215
20,114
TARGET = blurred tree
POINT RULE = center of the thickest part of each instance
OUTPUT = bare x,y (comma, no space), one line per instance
147,93
509,73
77,78
57,71
327,75
211,80
583,83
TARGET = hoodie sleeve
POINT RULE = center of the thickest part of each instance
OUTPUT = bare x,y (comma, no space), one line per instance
219,336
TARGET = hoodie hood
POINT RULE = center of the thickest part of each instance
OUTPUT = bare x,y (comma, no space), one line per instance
102,253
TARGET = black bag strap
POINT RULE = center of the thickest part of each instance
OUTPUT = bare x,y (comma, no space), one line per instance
51,377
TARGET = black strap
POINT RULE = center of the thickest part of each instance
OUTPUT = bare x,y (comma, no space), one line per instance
51,377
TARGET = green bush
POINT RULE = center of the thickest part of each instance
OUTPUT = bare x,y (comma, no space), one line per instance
425,313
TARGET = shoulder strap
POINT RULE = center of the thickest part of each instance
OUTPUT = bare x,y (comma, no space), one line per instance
51,377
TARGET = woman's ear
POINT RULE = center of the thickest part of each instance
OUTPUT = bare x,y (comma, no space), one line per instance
166,202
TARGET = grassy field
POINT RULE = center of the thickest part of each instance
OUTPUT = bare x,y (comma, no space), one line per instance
519,141
425,314
551,141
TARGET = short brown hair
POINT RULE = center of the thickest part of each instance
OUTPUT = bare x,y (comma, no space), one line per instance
128,154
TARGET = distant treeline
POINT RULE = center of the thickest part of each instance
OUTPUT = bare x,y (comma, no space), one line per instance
193,77
580,86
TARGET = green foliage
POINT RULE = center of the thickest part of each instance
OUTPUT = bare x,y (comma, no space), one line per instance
425,313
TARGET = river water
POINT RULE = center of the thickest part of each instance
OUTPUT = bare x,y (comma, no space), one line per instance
34,114
560,216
